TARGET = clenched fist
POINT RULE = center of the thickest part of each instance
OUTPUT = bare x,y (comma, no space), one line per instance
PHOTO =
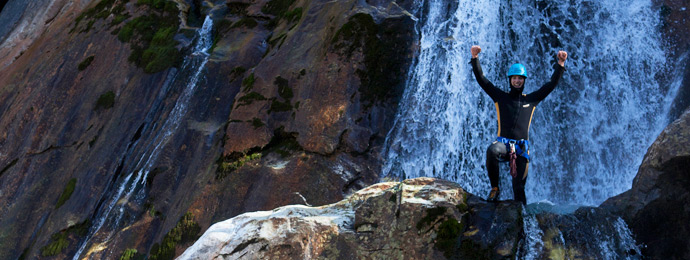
562,55
476,50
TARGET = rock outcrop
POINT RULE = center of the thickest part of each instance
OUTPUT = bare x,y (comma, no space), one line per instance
421,218
655,207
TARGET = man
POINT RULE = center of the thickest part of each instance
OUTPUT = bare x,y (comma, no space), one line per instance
515,111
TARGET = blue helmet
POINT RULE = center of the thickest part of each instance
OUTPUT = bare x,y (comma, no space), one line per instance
517,69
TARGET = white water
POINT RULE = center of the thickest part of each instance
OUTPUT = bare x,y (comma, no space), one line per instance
587,138
570,237
113,213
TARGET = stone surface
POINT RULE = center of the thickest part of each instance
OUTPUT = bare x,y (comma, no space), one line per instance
654,207
421,218
52,133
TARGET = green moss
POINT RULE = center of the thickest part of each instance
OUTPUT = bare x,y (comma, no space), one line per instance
431,215
187,230
58,243
66,193
229,165
249,99
129,254
151,37
447,236
248,83
85,63
119,19
105,101
60,240
384,48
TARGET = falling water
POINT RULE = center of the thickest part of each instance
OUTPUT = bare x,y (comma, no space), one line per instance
133,182
587,138
586,234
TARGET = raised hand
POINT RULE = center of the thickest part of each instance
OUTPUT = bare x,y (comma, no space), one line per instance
562,56
475,51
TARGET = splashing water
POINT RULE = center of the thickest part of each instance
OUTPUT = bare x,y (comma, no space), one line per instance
587,138
112,213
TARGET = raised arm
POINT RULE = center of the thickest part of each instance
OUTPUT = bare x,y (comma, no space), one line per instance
486,85
547,88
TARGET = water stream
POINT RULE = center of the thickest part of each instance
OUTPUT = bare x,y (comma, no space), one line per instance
142,156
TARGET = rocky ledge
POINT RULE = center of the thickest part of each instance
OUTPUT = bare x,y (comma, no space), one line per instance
421,218
418,219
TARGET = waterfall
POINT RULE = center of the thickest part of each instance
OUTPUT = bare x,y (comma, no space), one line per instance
131,186
587,234
587,138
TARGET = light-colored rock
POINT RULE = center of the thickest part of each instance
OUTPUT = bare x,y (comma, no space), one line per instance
421,218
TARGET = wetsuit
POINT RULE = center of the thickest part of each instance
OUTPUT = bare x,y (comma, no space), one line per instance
514,111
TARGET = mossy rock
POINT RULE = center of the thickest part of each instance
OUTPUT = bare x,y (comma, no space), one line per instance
187,230
66,193
85,63
105,101
385,48
151,37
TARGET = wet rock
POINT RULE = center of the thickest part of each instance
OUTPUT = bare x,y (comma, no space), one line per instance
654,206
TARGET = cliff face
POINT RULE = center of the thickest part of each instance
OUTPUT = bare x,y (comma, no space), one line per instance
294,104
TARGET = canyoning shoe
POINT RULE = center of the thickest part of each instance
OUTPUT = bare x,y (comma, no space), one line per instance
493,195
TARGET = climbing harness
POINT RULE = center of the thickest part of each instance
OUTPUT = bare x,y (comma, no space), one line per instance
513,157
514,150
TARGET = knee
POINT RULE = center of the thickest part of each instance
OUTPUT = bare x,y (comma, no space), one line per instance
496,150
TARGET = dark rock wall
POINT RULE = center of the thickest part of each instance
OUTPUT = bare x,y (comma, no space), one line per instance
319,142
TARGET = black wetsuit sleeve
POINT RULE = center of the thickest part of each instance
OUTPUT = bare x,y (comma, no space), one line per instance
546,89
486,85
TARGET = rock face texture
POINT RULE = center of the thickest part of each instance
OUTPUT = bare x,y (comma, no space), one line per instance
655,207
421,218
292,107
